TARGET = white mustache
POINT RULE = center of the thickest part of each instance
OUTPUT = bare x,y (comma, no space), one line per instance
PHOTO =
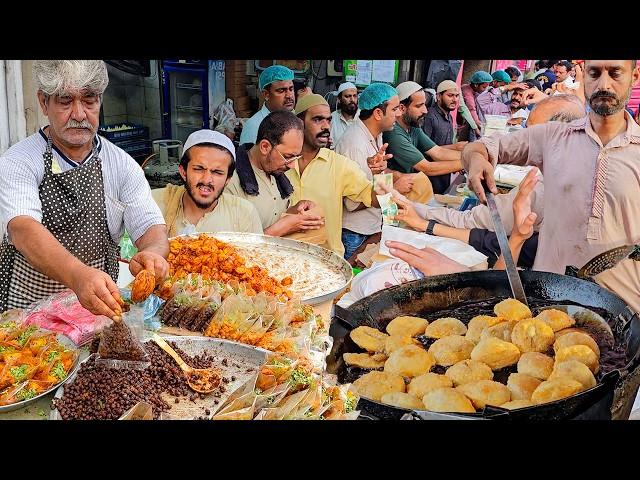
75,124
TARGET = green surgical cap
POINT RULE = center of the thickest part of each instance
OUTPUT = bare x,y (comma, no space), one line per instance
374,95
274,73
501,76
481,77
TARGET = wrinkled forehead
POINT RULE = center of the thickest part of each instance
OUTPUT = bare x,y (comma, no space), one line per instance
608,64
77,93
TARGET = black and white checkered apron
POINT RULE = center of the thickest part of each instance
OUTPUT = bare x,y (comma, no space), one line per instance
74,211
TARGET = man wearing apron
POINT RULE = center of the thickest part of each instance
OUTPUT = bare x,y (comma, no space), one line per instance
66,196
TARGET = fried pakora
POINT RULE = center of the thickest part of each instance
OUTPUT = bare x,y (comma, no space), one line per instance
364,360
375,384
531,335
556,319
522,386
371,339
581,353
451,349
496,353
444,327
575,370
423,384
409,361
512,309
406,325
552,390
535,364
447,400
478,324
485,392
468,371
402,400
576,338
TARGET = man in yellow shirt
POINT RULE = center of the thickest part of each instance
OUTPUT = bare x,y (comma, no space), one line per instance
206,166
325,177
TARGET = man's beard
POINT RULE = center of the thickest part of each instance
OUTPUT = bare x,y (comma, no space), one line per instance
605,109
349,108
446,107
413,123
201,205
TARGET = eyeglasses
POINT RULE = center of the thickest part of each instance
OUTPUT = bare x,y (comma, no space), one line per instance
287,161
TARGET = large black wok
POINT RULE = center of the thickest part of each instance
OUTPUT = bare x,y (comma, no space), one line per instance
475,293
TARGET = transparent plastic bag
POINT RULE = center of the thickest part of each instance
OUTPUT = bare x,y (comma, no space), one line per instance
225,117
127,248
120,346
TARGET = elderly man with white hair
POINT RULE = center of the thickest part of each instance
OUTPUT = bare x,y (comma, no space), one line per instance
66,197
347,111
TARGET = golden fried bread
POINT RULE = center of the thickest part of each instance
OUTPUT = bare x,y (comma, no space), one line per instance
374,385
444,327
576,371
370,339
552,390
478,324
409,361
556,319
410,326
468,371
496,353
564,331
576,338
514,404
522,386
512,309
532,335
500,330
581,353
485,392
447,400
394,342
451,349
535,364
402,400
364,360
423,384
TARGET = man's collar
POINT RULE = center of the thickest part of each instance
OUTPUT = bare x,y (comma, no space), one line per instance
631,135
364,128
445,114
323,154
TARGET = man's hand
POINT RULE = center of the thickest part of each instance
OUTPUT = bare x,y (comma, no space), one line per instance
146,260
302,206
513,86
407,214
404,183
523,217
378,162
533,95
481,169
427,260
301,222
97,293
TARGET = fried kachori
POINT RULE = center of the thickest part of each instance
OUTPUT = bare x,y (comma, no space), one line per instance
402,400
374,385
443,327
552,390
576,338
409,361
515,404
478,324
535,364
370,339
405,325
512,309
500,330
364,360
556,319
576,371
394,342
485,392
531,335
447,400
581,353
423,384
451,349
522,386
468,371
496,353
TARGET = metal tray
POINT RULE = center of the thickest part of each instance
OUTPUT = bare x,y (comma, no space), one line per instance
243,361
317,257
66,342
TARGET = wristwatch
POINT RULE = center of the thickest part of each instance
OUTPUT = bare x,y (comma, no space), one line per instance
430,225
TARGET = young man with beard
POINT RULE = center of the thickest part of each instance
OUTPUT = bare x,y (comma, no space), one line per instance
206,166
410,146
326,177
260,177
478,83
591,173
276,85
346,112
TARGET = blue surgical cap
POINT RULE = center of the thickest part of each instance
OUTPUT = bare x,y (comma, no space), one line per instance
375,94
481,77
274,73
501,76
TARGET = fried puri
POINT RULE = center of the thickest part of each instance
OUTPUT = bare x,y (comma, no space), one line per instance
468,371
478,324
564,331
423,384
581,353
451,349
447,400
515,404
370,339
535,364
394,342
574,370
496,353
409,361
410,326
402,400
443,327
485,392
556,319
576,338
500,330
374,385
512,309
532,335
522,386
364,360
552,390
